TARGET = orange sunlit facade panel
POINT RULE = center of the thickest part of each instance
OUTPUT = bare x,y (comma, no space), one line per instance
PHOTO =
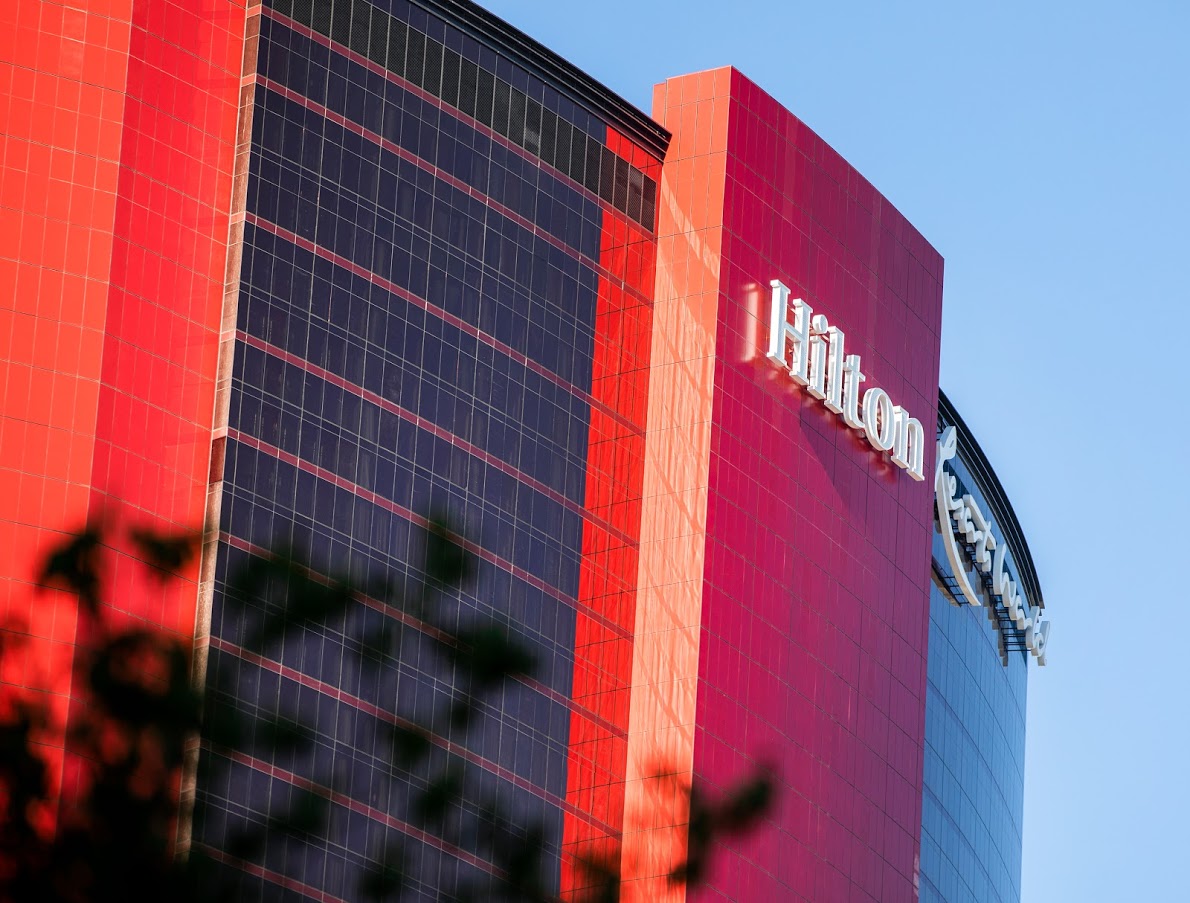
666,633
118,147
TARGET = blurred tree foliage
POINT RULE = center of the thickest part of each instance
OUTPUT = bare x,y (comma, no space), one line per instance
114,839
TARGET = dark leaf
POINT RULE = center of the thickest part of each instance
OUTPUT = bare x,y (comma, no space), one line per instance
380,643
491,656
306,815
222,725
385,883
446,560
142,679
461,711
431,807
281,734
292,598
168,554
74,565
522,862
410,744
747,803
601,878
247,844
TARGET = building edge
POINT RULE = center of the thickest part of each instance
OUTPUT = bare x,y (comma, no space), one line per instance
554,70
974,455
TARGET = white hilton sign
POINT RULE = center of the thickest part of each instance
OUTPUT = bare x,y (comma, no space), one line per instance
811,350
962,515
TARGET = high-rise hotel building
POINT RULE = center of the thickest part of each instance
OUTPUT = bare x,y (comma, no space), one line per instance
306,270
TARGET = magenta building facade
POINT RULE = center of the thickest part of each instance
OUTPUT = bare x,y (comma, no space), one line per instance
804,610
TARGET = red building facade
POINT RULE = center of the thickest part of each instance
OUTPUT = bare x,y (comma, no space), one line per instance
785,563
117,228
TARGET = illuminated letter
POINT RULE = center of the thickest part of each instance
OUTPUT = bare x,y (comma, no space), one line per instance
818,328
963,516
944,490
1016,606
798,332
908,446
878,419
1037,637
1000,581
985,544
834,371
1005,587
979,534
851,380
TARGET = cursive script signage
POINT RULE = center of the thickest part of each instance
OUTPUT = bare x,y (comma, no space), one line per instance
961,517
812,352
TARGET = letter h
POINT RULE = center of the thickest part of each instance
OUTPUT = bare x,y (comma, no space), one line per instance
797,332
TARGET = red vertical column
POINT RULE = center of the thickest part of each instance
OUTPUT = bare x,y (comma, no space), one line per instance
671,574
169,261
608,573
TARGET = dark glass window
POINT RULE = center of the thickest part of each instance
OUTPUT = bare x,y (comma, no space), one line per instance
482,92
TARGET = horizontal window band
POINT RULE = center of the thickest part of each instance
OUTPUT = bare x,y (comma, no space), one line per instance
388,42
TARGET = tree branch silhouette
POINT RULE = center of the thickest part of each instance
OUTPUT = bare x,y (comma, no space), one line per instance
113,836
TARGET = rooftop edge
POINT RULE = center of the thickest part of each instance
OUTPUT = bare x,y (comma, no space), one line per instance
993,489
553,69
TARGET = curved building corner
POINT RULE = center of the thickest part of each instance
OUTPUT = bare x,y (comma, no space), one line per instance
986,622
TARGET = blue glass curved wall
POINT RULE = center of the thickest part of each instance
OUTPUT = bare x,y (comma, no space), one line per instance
973,789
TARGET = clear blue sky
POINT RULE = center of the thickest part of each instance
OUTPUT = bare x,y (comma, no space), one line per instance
1044,149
